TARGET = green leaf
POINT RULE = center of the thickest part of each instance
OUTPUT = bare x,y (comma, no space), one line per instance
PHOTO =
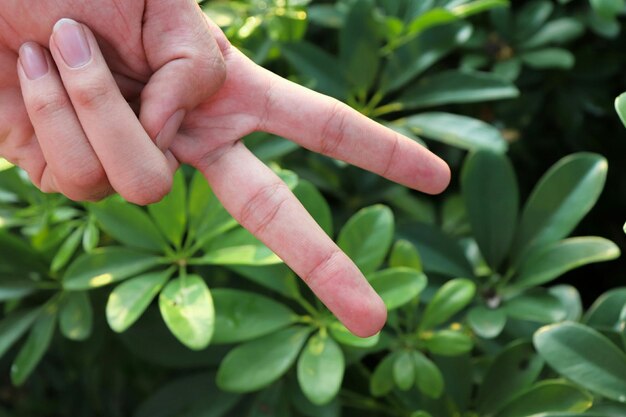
427,376
486,322
547,396
514,369
67,250
35,346
277,278
549,58
585,356
570,299
76,316
14,326
237,247
451,298
358,44
548,262
532,17
315,204
563,196
91,237
341,334
320,369
256,364
404,370
608,8
405,254
128,301
477,6
620,108
318,65
170,214
367,236
492,198
605,311
420,53
440,253
397,286
106,265
460,131
14,289
382,381
241,316
557,31
448,343
187,309
537,306
455,87
128,224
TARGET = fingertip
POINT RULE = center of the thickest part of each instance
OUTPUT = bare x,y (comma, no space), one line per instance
370,319
441,177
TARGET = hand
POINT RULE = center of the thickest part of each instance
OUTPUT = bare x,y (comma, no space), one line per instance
250,99
147,44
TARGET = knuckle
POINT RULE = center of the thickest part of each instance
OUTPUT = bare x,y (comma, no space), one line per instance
333,129
261,210
47,105
90,95
324,270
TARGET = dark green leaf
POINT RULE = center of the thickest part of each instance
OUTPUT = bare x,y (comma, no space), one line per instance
128,301
558,31
76,316
13,289
397,286
405,254
256,364
608,8
187,309
570,299
605,311
128,224
14,326
460,131
170,214
486,322
548,262
537,306
106,265
451,298
35,346
367,236
320,369
491,196
382,381
241,316
585,356
428,377
549,58
448,343
278,278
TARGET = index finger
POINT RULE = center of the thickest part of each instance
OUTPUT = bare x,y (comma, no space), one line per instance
326,125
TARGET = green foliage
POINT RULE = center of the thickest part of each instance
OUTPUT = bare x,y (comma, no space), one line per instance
176,310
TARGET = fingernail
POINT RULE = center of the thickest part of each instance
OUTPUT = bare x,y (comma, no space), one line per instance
170,128
72,42
33,60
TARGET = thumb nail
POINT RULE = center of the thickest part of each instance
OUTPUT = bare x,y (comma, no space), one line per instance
165,138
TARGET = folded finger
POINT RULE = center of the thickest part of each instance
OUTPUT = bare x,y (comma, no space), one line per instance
72,166
135,167
265,206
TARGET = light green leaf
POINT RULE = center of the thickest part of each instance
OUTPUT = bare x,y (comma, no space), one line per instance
557,31
237,247
320,369
76,316
315,204
492,198
427,376
187,309
563,196
13,289
605,311
404,370
367,236
486,322
256,364
128,224
170,214
405,254
608,8
547,396
91,237
128,301
341,334
14,326
106,265
585,356
549,58
448,343
454,87
570,299
67,250
242,316
460,131
382,381
513,370
35,346
397,286
548,262
536,306
451,298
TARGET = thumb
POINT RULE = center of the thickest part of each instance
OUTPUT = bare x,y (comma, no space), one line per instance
187,66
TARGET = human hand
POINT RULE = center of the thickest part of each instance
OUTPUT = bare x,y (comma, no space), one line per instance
253,99
146,44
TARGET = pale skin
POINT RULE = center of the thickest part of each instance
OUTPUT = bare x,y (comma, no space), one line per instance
78,113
